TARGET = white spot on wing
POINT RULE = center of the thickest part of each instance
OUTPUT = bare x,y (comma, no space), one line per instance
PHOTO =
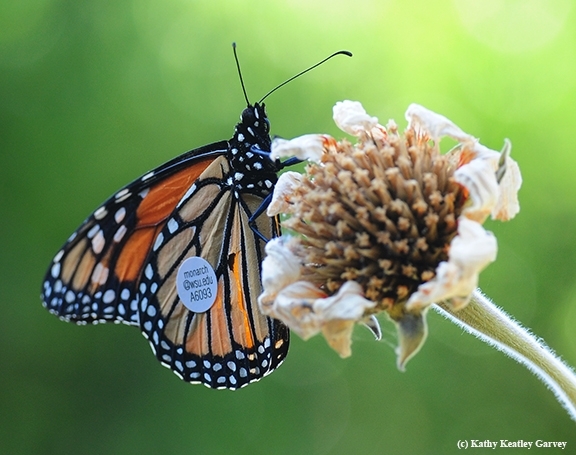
109,296
58,256
55,270
187,195
158,241
100,274
120,214
172,225
100,213
149,272
119,235
122,193
147,176
98,242
92,232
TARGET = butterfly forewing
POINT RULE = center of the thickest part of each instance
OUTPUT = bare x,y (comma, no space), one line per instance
121,264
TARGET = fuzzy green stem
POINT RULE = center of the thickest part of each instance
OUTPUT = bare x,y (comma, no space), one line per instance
492,325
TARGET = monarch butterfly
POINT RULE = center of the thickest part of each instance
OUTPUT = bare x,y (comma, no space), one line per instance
124,263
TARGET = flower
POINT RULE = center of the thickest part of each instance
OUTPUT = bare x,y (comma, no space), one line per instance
389,224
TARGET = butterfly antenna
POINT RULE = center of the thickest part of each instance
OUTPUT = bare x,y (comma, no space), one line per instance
349,54
240,73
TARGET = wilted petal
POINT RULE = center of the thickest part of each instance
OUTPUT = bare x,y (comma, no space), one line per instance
285,186
435,125
307,147
338,335
294,306
307,310
280,268
493,180
479,177
470,252
339,313
351,118
347,303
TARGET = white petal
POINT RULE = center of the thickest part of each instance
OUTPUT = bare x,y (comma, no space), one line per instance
283,188
347,303
435,125
294,306
479,177
351,118
339,313
307,310
307,147
279,269
471,250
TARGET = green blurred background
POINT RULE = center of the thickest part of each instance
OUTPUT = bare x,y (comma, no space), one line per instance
94,94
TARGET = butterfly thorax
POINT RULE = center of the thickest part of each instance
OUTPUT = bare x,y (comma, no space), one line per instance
252,169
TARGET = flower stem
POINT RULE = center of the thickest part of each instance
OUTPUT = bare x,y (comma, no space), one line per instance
492,325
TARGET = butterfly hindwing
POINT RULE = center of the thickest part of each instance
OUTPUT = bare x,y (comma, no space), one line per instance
231,344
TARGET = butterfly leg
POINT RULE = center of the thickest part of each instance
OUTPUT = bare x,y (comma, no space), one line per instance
258,212
281,164
290,162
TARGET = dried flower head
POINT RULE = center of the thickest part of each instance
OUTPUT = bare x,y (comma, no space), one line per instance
389,224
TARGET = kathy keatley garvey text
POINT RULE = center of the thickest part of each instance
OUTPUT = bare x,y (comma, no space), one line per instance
505,444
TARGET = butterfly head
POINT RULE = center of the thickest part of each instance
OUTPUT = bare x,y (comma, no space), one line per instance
254,126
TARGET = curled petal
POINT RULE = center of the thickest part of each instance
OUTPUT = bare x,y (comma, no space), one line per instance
348,303
294,306
285,186
471,250
479,178
280,268
307,310
351,118
493,180
435,125
307,147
